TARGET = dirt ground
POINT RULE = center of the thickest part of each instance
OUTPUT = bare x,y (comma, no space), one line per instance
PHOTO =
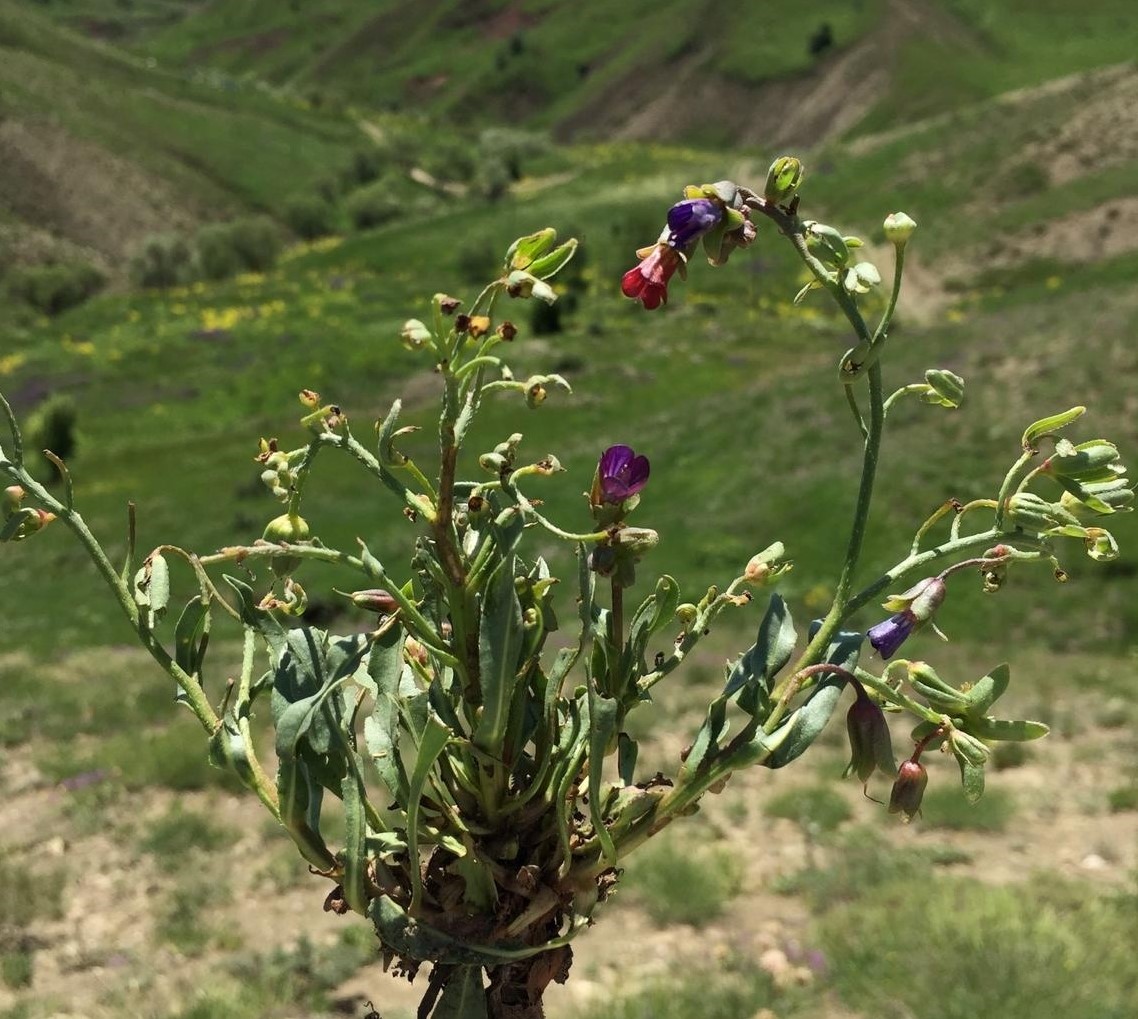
102,959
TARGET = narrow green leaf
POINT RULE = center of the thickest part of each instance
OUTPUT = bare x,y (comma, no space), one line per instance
627,751
707,739
261,620
191,636
603,712
435,738
500,639
354,881
463,997
1007,730
300,799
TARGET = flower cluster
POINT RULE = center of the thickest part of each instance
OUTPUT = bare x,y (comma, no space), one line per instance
713,213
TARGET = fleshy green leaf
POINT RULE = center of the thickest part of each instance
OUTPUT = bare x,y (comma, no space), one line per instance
806,723
971,779
756,669
987,690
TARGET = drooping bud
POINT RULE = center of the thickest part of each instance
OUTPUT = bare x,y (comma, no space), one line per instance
479,325
861,278
767,565
309,398
994,574
13,496
898,228
447,305
414,334
288,528
908,790
415,652
507,330
524,284
784,178
1100,544
25,522
870,744
375,599
913,609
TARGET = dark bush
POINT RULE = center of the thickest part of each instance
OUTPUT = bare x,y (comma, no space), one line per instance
52,426
51,289
245,245
373,206
163,260
309,216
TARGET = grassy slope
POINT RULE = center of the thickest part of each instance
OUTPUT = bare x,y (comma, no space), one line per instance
729,479
103,147
534,62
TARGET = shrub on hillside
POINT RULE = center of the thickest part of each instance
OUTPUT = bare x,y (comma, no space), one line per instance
51,289
163,260
52,426
373,206
309,216
244,245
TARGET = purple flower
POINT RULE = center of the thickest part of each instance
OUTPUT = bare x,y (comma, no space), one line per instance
691,219
621,474
888,636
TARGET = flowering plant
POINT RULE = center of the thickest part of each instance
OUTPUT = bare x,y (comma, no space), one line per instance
489,796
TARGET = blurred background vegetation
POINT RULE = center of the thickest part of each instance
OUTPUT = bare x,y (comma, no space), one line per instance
205,207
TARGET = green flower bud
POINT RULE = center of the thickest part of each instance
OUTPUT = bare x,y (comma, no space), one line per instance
1094,461
1098,499
898,228
946,388
783,180
494,463
968,748
637,540
827,243
1033,513
908,790
288,528
686,613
